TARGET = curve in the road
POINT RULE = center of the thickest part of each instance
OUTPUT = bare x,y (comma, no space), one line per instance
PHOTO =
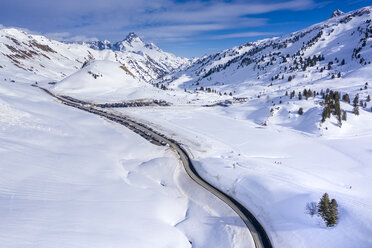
259,235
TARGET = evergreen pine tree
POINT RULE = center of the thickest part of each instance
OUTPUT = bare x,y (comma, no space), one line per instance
333,213
325,114
324,207
344,116
355,104
337,107
356,110
346,98
300,111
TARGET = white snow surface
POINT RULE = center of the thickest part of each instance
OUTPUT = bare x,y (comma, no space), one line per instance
276,170
107,81
71,179
104,79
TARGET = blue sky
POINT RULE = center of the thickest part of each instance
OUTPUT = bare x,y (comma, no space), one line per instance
184,27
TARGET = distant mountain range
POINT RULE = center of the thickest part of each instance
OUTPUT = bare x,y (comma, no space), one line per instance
333,48
132,43
55,60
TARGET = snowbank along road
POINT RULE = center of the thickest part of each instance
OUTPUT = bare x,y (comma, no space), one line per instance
260,237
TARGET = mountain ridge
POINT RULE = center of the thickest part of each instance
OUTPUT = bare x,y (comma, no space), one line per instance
269,61
272,61
122,45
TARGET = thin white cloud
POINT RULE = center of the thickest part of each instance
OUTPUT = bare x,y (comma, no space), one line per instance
66,36
243,35
160,20
222,11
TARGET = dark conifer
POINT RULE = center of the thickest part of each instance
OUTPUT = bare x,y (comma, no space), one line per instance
324,206
333,214
300,111
346,98
344,116
355,105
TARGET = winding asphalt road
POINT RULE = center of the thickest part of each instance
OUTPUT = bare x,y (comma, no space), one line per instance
260,237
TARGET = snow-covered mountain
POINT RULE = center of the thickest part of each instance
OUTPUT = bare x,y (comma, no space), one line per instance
52,60
331,49
62,167
133,48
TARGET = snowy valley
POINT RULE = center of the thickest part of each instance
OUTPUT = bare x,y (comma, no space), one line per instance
274,123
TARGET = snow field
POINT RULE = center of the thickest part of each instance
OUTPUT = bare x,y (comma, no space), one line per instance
71,179
276,170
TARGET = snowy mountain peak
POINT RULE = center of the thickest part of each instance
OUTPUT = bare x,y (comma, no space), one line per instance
132,37
56,60
337,13
131,41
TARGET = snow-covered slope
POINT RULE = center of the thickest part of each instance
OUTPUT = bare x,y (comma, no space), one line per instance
259,149
133,47
106,81
35,58
46,59
101,77
71,179
275,170
341,44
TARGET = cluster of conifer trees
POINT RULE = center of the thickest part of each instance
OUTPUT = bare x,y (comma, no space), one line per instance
331,102
210,90
328,210
161,86
332,106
